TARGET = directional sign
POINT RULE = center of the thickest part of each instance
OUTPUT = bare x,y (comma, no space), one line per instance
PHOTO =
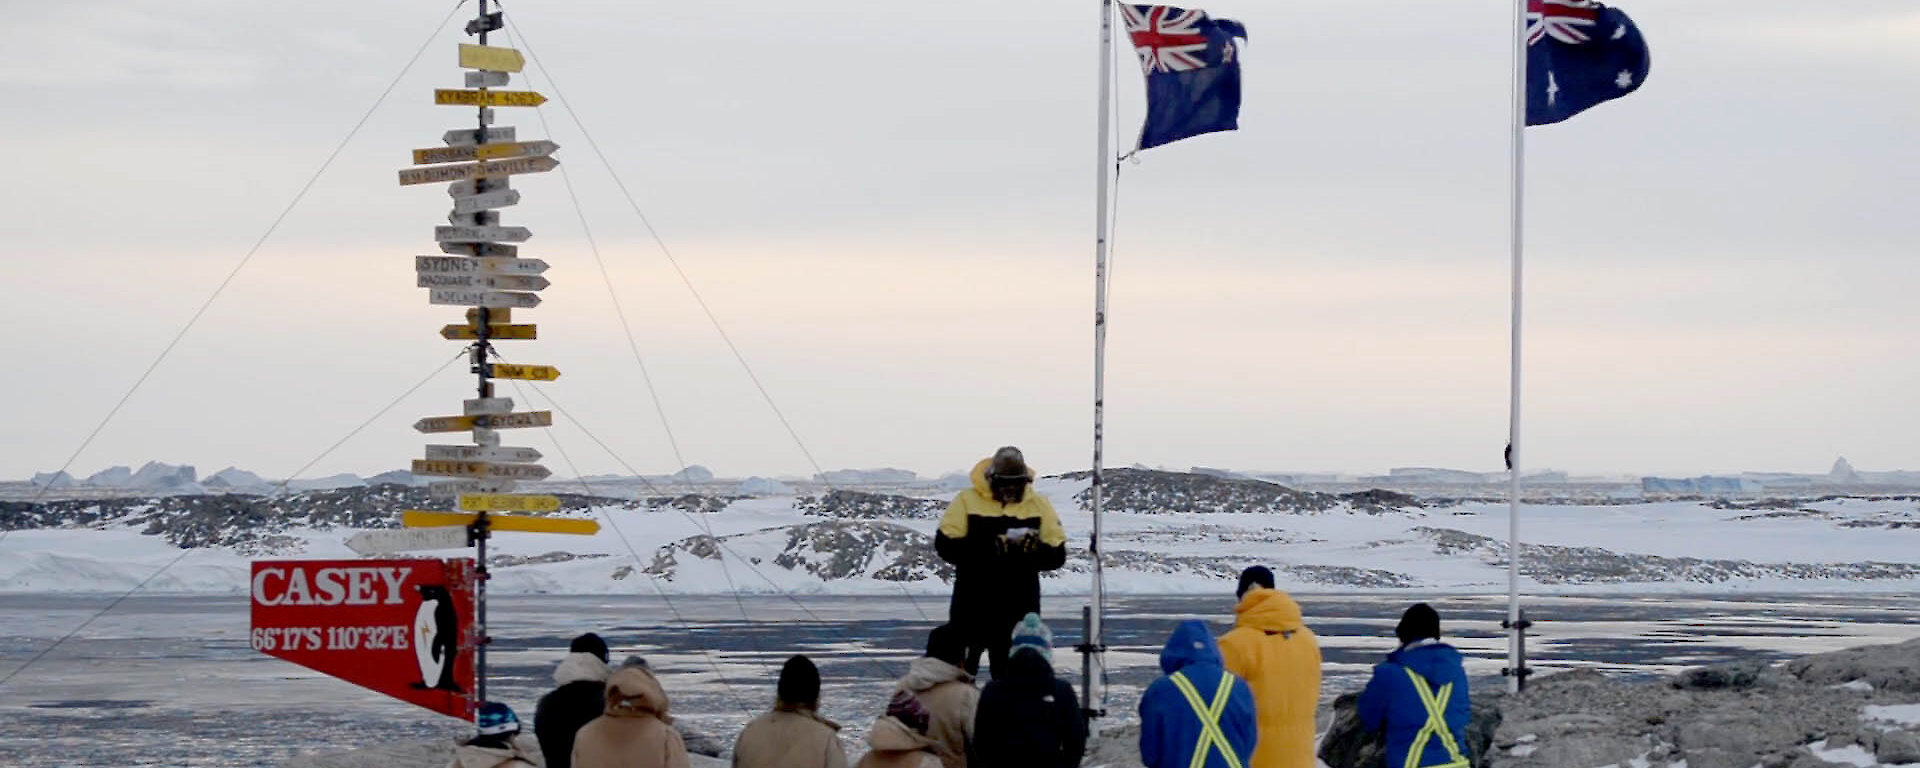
492,58
473,218
487,22
486,437
406,540
471,187
502,282
480,249
414,518
483,152
487,406
486,98
442,173
465,136
465,297
508,502
459,265
527,332
486,201
452,489
523,372
481,234
480,469
503,421
481,453
493,316
486,79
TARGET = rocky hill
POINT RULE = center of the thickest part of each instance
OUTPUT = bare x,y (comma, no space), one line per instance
1146,491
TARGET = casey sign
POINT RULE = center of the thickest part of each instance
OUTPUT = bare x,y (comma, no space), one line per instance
400,627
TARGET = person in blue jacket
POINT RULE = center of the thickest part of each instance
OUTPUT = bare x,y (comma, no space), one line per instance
1419,697
1199,714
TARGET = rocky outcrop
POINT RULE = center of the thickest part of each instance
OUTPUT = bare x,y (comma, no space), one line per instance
1549,564
860,505
829,551
1731,716
1151,492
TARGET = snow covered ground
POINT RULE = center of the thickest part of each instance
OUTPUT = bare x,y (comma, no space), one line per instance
775,545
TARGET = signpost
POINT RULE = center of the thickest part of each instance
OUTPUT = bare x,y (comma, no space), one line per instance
508,167
508,502
486,98
486,201
525,372
433,424
494,332
481,234
481,453
387,542
403,628
492,265
502,282
485,79
414,518
480,298
498,250
483,152
452,489
460,137
496,59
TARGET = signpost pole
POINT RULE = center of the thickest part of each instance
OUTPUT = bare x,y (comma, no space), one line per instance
481,346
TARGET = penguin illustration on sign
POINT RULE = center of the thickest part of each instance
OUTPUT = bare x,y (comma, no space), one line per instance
436,634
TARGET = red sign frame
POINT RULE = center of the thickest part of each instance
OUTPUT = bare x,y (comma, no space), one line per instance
385,625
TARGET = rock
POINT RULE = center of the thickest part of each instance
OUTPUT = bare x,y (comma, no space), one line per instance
698,743
1736,676
1897,748
1886,668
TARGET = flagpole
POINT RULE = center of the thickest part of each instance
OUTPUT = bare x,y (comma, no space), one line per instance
1515,625
1093,659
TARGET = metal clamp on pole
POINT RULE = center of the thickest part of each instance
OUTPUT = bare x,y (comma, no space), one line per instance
1089,645
1521,671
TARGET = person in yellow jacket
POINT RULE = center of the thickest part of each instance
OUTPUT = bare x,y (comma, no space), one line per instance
1271,648
999,535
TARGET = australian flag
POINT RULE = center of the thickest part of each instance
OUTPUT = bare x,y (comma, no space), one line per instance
1579,54
1192,65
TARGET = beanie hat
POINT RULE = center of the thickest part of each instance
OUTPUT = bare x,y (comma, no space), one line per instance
1032,633
496,719
1420,622
636,661
1257,576
907,708
799,682
945,644
1009,462
589,643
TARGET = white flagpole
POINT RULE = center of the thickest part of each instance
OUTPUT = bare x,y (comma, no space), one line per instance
1516,661
1093,664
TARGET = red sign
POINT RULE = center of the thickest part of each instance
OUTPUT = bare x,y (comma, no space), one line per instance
400,627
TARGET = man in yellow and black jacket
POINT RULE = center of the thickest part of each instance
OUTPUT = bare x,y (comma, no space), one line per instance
999,535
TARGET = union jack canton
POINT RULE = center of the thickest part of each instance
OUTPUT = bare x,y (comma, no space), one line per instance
1192,68
1580,53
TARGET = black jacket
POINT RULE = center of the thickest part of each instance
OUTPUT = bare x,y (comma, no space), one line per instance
1028,719
581,697
997,580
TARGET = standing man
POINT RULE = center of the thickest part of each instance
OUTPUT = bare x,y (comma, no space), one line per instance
1272,649
999,535
1419,697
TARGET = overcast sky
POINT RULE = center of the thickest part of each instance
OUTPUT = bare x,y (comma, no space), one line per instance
890,207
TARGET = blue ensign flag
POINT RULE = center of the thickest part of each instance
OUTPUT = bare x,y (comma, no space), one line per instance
1192,65
1579,53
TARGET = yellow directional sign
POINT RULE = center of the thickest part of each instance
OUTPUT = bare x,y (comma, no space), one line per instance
495,332
483,152
496,315
524,372
463,423
508,502
450,468
485,98
491,58
415,518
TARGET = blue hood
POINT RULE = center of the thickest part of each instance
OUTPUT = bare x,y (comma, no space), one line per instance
1431,661
1191,643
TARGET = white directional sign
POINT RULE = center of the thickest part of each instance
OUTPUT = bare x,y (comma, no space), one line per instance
485,79
465,297
488,406
486,201
501,282
480,249
481,234
461,137
453,489
482,453
471,187
439,173
462,265
407,540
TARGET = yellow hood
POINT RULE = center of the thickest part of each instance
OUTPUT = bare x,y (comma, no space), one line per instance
1268,610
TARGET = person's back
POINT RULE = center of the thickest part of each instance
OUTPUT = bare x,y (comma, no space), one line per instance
496,745
1198,715
634,731
1272,649
579,698
898,739
1419,698
1028,718
793,734
948,694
